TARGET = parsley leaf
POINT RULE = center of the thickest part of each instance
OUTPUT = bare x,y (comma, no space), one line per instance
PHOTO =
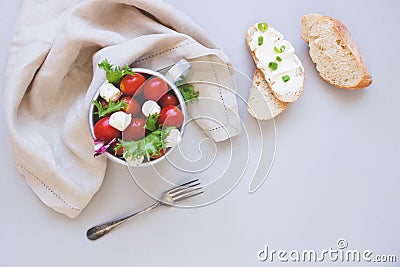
110,108
114,74
188,93
187,90
151,122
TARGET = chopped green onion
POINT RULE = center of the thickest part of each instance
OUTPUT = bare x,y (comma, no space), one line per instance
260,40
279,50
285,78
262,26
278,58
273,65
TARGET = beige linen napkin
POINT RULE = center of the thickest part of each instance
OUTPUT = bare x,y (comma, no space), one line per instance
52,76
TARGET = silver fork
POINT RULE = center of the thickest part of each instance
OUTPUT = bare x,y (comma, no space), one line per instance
170,197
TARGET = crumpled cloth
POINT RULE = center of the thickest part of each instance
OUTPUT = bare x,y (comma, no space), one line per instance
52,75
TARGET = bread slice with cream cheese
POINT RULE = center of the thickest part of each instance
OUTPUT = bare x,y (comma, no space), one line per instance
276,59
262,103
335,53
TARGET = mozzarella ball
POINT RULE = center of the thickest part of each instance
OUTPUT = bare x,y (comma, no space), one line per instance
109,92
150,107
120,120
174,138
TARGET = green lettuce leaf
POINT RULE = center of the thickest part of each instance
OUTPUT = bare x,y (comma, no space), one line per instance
110,108
151,123
114,74
150,145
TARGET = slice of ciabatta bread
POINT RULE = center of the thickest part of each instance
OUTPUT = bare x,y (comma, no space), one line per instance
335,53
308,21
262,103
276,59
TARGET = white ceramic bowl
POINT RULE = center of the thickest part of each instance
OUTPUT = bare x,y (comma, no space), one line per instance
182,106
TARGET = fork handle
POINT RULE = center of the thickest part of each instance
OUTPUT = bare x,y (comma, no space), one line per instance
100,230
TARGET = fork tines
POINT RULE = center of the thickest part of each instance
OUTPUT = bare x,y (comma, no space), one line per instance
186,190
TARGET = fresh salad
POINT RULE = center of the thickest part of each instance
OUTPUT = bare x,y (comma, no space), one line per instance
137,116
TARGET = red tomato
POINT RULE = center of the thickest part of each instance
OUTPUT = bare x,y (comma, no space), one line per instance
168,100
155,88
131,83
112,151
103,103
135,131
171,116
162,152
133,107
104,131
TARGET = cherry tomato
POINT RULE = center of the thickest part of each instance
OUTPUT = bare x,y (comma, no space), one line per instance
131,83
133,107
162,152
103,103
171,116
168,100
135,131
104,131
112,151
155,88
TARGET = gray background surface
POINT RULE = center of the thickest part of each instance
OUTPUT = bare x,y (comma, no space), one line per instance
335,174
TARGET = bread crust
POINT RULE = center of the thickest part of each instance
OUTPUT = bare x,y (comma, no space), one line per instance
353,47
308,21
283,98
272,103
347,40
